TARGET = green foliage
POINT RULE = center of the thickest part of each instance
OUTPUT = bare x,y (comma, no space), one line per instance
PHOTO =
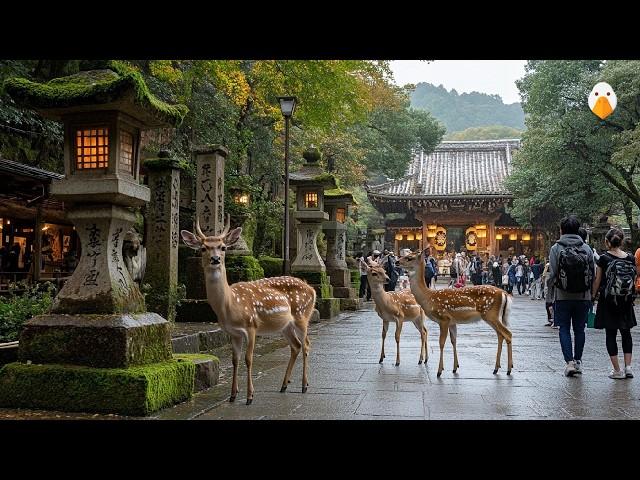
460,111
243,268
125,391
272,266
491,132
24,303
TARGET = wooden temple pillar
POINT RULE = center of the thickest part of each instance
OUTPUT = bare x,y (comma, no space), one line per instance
36,260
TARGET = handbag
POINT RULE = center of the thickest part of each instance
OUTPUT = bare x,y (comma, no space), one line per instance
591,318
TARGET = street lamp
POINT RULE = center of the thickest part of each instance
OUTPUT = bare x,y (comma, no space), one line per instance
287,106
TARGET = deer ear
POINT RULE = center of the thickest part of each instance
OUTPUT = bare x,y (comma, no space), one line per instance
191,240
233,236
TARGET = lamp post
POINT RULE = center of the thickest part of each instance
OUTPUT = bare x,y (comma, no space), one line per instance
287,106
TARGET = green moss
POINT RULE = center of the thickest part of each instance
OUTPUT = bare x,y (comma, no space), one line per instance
355,277
243,268
192,357
272,266
249,231
94,87
340,193
130,391
165,163
327,179
316,278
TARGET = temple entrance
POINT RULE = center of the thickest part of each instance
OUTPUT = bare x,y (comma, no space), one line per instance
455,239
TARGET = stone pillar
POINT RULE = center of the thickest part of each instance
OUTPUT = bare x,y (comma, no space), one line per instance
163,235
307,256
101,283
210,160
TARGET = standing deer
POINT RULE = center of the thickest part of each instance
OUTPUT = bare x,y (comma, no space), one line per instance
464,305
396,307
246,309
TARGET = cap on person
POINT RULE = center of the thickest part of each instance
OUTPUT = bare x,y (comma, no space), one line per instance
376,252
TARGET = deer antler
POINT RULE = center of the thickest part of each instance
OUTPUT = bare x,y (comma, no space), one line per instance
199,230
227,226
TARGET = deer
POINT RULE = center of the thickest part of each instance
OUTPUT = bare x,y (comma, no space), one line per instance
396,307
450,307
245,309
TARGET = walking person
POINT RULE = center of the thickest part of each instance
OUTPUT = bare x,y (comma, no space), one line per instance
536,287
511,274
615,287
392,272
497,274
364,284
519,276
571,273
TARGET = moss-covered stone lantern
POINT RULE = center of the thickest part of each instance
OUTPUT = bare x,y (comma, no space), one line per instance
98,320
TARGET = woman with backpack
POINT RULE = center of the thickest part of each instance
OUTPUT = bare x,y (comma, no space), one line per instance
614,284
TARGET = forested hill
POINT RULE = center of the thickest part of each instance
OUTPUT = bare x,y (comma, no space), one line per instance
460,111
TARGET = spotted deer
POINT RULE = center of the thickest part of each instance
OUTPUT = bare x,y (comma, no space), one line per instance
396,307
245,309
450,307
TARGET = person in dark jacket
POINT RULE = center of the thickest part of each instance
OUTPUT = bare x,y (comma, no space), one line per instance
570,308
614,313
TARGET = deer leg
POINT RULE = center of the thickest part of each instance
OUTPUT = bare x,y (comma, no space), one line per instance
499,354
236,346
296,345
398,331
385,327
444,330
453,330
306,346
418,323
248,358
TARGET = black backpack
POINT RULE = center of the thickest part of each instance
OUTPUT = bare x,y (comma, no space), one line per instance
620,278
575,270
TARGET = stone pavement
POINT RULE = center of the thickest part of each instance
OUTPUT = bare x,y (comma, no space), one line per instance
346,381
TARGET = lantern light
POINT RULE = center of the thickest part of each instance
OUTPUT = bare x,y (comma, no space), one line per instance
241,198
526,237
398,236
419,236
481,227
431,234
410,237
499,236
513,236
432,227
481,234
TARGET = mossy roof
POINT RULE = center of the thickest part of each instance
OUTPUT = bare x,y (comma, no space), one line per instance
312,173
120,87
339,194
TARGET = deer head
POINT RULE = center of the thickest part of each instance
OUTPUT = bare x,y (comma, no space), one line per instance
411,261
213,248
376,275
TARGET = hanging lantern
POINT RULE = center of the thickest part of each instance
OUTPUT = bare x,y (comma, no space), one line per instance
431,234
410,237
481,233
398,236
526,237
513,236
481,227
432,227
419,236
499,236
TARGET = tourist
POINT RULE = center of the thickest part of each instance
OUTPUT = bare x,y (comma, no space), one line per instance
637,259
429,271
536,271
453,270
511,272
583,235
520,276
364,284
614,286
572,279
497,274
389,263
547,294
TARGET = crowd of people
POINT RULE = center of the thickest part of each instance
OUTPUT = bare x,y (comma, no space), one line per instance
570,281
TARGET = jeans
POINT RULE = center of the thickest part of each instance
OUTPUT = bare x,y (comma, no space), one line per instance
536,288
567,313
521,285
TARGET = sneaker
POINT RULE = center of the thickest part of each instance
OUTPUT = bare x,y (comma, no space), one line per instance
548,324
570,369
579,366
617,374
555,326
627,371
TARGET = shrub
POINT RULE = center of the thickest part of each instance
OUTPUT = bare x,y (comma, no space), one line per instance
22,305
272,266
243,268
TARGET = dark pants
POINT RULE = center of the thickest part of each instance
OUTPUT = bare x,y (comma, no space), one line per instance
612,344
364,285
520,284
566,314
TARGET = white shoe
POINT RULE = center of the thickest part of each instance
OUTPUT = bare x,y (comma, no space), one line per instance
617,374
570,369
579,366
627,371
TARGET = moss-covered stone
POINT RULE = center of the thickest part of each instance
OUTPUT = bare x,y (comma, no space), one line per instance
339,194
243,268
328,307
355,277
272,266
103,341
317,280
96,87
129,391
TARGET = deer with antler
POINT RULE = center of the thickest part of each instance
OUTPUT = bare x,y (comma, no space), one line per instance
396,307
450,307
245,309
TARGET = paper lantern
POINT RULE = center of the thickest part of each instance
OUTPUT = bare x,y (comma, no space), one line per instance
419,236
513,236
410,237
432,227
526,237
481,227
481,233
431,234
398,236
499,236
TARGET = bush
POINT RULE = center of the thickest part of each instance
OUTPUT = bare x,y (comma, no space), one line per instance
243,268
22,305
272,266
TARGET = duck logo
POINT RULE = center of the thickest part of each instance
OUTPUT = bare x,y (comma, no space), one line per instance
602,100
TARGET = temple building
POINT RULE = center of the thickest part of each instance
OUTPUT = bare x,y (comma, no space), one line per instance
455,198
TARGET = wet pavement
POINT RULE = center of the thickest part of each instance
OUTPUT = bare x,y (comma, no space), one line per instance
347,382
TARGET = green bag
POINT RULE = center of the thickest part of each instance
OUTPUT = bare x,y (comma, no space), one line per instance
591,318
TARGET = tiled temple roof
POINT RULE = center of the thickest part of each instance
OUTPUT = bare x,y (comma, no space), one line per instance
454,169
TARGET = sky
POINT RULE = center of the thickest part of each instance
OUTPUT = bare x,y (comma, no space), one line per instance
485,76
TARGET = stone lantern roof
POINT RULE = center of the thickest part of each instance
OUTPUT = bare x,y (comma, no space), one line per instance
338,194
312,173
117,87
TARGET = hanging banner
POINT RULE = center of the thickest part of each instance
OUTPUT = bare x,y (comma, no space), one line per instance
441,239
471,238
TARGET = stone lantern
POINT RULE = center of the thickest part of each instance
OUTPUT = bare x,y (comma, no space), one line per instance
337,203
98,320
240,196
310,182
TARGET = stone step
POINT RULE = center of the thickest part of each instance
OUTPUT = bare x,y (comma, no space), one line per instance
199,341
207,370
328,307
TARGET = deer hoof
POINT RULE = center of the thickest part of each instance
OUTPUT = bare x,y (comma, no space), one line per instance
455,370
495,371
283,389
249,400
508,372
419,362
439,373
232,398
397,364
304,389
380,361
